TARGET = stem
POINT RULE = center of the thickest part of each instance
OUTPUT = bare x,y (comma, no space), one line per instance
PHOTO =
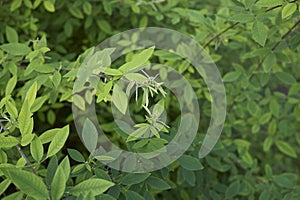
219,34
26,159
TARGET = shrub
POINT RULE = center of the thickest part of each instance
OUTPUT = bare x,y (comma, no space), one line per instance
45,43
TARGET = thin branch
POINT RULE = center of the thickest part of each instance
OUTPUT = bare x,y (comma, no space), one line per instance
219,34
25,158
286,34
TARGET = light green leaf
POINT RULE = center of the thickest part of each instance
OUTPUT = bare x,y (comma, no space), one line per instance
65,164
37,149
286,148
288,10
16,49
25,119
58,141
89,135
11,84
131,179
190,163
11,35
15,5
4,185
38,103
93,185
259,32
27,182
113,72
284,180
49,5
27,139
119,99
56,79
11,109
58,184
268,3
31,94
136,77
137,133
79,101
8,141
285,78
138,60
48,135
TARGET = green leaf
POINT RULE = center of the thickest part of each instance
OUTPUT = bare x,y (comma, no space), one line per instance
158,183
136,77
58,141
31,94
15,5
8,141
113,72
93,185
48,136
38,103
119,99
58,184
267,143
87,7
79,101
232,190
16,49
27,182
51,169
27,139
285,78
76,155
288,10
243,18
190,163
259,33
37,149
11,35
138,60
131,179
56,79
11,109
268,3
274,107
11,84
269,62
231,76
25,119
135,135
131,195
284,180
49,5
4,185
265,195
286,148
65,164
89,135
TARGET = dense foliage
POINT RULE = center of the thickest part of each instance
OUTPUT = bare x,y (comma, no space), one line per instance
256,46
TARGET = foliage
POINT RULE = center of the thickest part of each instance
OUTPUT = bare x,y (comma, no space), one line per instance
256,47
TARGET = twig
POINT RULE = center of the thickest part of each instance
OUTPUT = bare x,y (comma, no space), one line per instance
26,159
219,34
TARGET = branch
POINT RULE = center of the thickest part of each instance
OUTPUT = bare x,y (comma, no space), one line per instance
219,34
26,159
286,34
